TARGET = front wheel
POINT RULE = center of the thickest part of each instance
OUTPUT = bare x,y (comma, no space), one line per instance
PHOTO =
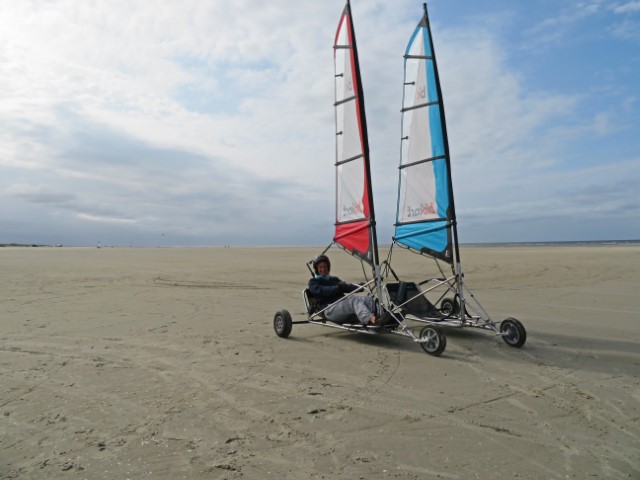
433,340
513,332
282,323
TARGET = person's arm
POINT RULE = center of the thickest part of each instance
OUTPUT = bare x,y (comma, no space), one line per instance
322,291
346,287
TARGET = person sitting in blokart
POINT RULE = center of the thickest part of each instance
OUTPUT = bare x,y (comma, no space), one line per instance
327,289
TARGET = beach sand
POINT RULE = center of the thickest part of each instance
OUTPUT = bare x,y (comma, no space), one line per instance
163,363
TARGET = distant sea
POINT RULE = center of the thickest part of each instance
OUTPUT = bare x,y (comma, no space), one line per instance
470,244
582,243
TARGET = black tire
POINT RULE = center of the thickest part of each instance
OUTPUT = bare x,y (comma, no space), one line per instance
449,307
282,323
436,343
513,332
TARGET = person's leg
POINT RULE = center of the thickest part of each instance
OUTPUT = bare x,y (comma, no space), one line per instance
340,311
362,307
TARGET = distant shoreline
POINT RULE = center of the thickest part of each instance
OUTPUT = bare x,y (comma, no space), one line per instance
24,245
575,243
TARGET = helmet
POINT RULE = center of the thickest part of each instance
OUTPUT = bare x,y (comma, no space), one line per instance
320,259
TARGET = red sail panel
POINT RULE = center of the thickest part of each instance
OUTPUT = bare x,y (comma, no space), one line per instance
354,237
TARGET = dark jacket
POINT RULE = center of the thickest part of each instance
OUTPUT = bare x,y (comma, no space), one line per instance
328,290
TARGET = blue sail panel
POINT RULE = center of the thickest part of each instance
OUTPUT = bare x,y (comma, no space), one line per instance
432,238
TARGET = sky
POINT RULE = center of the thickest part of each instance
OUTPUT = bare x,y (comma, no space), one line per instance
211,123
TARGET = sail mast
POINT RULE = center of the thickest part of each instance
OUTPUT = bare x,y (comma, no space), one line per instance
365,143
452,215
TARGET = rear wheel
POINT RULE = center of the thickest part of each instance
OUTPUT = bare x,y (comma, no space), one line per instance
513,332
282,323
449,307
434,342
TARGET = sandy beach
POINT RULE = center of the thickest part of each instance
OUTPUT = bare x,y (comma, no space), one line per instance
162,363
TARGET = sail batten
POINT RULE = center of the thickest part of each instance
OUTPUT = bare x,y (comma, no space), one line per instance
422,105
424,160
349,160
419,57
345,101
426,222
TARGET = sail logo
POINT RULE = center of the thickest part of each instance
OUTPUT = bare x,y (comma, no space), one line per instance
354,210
421,92
424,210
350,86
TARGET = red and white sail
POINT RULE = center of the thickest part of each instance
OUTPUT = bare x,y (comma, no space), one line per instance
355,224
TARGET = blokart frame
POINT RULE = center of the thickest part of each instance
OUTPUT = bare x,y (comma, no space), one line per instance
431,337
457,306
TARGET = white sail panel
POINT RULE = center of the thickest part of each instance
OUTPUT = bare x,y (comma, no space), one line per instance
348,140
351,192
418,194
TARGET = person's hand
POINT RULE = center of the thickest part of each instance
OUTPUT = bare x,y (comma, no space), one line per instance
344,287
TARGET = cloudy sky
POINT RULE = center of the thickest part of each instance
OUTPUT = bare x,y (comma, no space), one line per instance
198,122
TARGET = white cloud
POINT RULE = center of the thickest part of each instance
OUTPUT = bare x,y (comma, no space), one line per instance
628,7
554,27
38,193
99,219
627,30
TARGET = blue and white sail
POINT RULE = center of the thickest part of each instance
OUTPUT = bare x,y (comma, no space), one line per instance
425,216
